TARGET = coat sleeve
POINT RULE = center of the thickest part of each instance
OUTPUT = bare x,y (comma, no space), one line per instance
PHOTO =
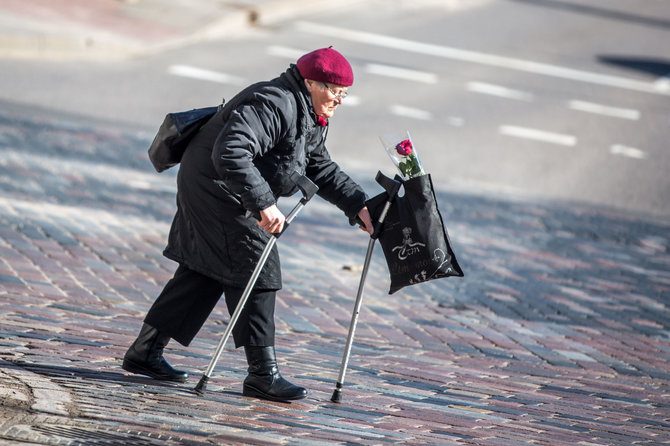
335,186
252,129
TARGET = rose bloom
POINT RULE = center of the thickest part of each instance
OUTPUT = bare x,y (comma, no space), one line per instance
404,148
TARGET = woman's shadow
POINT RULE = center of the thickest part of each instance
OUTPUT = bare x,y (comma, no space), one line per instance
99,377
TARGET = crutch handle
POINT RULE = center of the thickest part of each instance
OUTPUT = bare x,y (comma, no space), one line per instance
391,187
308,189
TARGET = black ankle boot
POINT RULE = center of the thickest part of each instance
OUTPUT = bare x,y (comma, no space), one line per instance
145,356
264,380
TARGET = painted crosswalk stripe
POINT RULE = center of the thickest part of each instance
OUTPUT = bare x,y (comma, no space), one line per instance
630,152
497,90
205,75
589,107
538,135
409,112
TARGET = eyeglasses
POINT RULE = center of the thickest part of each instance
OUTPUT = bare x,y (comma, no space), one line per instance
337,96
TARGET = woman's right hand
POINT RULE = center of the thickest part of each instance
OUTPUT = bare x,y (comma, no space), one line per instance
272,219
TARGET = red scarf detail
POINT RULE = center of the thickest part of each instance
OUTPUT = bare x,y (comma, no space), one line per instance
321,121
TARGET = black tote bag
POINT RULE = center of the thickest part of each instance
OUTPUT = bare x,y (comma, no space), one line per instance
175,133
413,236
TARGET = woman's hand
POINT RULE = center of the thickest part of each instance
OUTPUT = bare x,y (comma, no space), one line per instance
272,219
364,216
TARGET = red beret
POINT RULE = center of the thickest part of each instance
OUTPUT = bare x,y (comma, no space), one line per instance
326,65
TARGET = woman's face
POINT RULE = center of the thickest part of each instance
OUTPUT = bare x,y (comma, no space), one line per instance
325,97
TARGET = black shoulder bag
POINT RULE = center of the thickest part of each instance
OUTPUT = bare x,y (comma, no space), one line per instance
174,134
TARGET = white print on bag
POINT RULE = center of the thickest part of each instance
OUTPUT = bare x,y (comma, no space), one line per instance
408,247
438,257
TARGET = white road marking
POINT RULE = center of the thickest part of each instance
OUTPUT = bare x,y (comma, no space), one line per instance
409,112
538,135
401,73
456,121
351,101
630,152
623,113
284,51
663,83
477,57
382,70
205,75
497,90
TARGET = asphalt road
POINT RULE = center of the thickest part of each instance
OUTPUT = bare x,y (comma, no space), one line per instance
550,99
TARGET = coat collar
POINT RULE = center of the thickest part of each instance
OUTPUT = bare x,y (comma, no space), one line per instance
296,82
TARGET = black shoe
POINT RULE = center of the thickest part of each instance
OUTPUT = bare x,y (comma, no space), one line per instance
264,380
145,357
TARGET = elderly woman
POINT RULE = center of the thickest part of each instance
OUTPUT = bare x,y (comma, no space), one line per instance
240,161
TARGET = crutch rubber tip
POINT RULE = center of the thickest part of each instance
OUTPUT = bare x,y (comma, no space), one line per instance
202,385
337,394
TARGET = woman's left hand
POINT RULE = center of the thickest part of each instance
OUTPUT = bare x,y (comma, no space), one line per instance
364,216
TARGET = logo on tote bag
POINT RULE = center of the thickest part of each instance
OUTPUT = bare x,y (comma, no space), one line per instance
408,247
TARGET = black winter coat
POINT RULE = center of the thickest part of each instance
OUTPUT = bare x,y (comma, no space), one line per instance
241,160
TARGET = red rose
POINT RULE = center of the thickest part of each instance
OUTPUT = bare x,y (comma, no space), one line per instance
404,148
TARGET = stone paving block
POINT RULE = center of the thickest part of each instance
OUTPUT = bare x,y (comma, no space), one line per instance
560,339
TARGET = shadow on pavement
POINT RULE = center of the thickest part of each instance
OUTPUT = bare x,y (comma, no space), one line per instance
655,67
559,263
74,372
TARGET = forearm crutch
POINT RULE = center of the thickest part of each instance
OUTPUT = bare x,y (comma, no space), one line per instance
308,190
391,187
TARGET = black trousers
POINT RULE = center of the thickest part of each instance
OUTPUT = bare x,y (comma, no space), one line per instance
189,297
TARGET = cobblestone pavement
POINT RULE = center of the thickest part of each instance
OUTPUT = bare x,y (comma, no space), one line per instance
558,334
